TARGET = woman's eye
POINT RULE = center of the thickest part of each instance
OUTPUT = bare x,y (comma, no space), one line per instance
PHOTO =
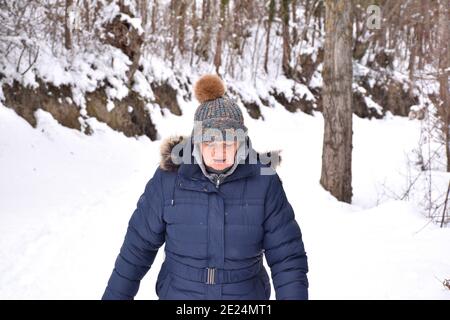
212,144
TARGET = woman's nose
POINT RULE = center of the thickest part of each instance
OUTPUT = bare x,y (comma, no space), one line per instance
219,151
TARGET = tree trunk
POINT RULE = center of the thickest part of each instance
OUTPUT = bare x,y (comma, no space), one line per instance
170,52
238,28
181,20
269,27
286,38
67,27
220,35
154,15
194,24
202,49
412,62
144,13
337,100
87,14
294,21
444,67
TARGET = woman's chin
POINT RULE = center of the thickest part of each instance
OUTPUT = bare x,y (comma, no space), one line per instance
220,166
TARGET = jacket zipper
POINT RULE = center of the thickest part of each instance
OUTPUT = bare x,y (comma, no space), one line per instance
217,182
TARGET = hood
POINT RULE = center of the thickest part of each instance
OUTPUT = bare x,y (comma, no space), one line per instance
169,163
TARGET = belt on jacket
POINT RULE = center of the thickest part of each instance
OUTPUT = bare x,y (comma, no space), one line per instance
212,275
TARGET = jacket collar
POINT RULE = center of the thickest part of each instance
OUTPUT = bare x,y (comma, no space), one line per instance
196,170
177,156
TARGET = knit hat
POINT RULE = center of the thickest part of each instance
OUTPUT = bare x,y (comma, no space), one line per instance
216,111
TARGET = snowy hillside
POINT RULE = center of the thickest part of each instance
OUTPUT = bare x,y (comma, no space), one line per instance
65,200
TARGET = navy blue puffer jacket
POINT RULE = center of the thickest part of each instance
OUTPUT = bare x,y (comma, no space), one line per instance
215,237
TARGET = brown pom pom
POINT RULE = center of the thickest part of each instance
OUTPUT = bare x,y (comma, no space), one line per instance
209,87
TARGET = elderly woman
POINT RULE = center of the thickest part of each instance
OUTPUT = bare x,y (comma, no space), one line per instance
219,207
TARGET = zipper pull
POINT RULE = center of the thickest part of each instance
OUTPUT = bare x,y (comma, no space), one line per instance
217,183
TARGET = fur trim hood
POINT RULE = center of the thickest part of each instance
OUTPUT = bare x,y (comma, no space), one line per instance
167,163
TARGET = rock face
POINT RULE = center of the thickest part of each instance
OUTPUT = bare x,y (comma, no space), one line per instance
165,97
131,116
55,100
128,115
394,98
120,33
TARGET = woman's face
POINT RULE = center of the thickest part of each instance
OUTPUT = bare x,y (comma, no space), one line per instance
219,155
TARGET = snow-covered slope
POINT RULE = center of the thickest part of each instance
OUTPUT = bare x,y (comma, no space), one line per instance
65,201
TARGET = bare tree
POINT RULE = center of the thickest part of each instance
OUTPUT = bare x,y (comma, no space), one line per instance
271,15
194,24
67,26
202,49
154,15
220,35
181,21
444,73
286,38
143,8
337,100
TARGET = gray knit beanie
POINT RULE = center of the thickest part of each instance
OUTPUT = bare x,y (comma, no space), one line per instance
216,111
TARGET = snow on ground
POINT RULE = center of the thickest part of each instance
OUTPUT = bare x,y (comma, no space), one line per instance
65,201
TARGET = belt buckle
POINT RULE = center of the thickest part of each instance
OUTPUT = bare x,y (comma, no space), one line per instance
211,272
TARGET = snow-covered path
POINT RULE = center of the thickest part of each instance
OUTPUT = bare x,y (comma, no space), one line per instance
65,200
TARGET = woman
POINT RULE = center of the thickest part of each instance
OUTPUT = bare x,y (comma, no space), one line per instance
219,207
